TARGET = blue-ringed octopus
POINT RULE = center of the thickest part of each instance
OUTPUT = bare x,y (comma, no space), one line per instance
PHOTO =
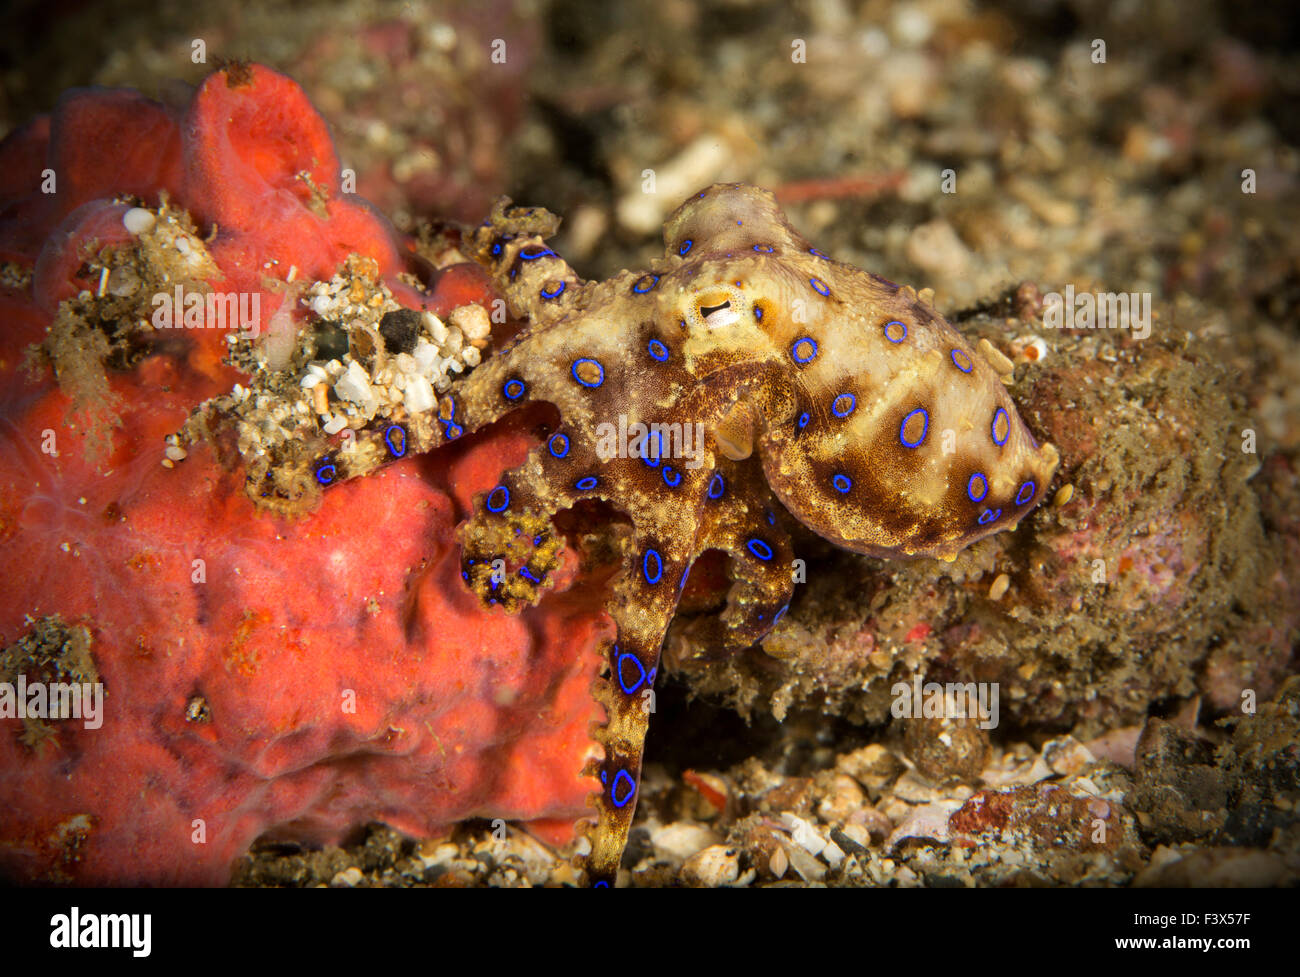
744,378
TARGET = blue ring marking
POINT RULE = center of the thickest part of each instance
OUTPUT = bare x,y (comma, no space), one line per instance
814,251
586,483
925,416
977,478
759,548
514,389
758,314
542,253
497,248
636,286
587,359
676,476
395,433
771,518
842,483
798,343
764,248
451,429
622,777
601,884
802,423
1032,490
659,454
852,404
957,363
717,485
685,576
528,574
780,614
618,667
993,428
326,473
558,445
901,325
552,294
988,516
684,250
657,350
820,287
652,578
504,502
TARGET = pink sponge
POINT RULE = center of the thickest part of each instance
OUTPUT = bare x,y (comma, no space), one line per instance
262,676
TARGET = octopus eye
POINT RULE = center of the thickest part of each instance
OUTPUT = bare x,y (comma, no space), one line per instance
718,316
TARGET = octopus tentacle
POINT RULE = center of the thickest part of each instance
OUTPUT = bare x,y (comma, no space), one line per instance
645,599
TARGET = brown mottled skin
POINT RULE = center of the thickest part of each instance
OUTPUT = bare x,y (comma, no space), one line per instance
719,333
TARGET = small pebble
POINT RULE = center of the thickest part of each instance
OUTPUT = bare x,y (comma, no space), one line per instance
999,587
715,866
347,879
137,220
472,320
1063,495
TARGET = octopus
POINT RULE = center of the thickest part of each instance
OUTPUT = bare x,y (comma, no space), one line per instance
743,380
